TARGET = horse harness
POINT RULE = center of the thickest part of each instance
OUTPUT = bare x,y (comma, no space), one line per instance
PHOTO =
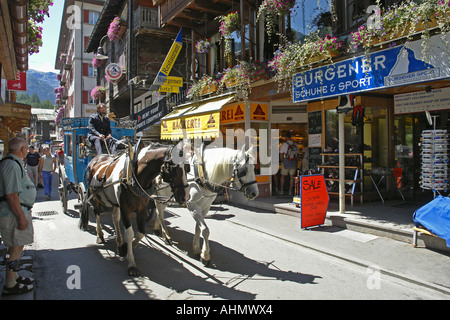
201,176
130,181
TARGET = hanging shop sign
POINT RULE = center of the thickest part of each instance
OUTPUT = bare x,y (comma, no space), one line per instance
393,67
170,59
20,84
314,200
113,71
149,116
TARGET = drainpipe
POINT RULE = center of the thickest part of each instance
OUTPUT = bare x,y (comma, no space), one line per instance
130,58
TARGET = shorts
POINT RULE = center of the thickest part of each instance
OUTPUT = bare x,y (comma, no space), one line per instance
287,171
33,170
11,235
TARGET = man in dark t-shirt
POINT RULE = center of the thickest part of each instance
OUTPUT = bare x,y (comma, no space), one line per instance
32,160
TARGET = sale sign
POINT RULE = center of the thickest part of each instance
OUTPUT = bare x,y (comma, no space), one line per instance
314,200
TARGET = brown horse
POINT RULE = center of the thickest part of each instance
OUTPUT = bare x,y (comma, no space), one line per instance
114,183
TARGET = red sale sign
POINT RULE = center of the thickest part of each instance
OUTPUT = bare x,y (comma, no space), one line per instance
20,84
314,200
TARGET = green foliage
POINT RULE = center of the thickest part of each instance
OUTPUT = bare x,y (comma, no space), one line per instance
34,101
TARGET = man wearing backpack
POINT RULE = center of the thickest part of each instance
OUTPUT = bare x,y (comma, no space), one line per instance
17,196
289,157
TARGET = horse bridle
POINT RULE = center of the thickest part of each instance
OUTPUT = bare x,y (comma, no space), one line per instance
241,171
169,170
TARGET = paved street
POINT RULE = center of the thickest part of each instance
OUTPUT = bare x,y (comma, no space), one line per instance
255,255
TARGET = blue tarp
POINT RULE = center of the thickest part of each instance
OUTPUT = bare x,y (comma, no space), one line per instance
435,217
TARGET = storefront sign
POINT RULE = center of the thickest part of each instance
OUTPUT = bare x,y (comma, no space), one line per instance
149,116
437,99
258,111
388,68
20,84
196,126
314,200
232,113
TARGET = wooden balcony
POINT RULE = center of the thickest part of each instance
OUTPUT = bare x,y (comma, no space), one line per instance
193,14
146,18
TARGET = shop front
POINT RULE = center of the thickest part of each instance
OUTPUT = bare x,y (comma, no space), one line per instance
224,122
396,96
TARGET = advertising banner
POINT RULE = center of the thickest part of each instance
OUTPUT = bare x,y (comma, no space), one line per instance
393,67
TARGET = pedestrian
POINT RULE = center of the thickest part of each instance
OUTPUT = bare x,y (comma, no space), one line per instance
305,158
17,196
40,182
48,169
100,130
32,161
60,156
289,157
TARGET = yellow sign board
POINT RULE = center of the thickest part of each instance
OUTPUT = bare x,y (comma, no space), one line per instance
172,55
169,89
195,126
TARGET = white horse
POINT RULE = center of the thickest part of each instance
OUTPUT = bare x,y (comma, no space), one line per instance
219,164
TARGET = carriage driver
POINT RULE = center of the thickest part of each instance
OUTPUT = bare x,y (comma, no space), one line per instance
100,130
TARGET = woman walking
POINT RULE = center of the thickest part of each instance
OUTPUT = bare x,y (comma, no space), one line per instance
48,169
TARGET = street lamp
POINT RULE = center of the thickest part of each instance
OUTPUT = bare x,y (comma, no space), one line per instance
100,55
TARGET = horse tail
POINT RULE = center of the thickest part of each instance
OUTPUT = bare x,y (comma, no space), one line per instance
84,218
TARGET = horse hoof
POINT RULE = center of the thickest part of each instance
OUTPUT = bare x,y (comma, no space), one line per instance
205,262
122,250
157,233
134,272
100,240
168,242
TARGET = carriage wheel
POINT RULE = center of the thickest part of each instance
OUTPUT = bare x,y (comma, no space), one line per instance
81,192
63,191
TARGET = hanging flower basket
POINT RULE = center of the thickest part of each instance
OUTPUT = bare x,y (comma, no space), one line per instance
272,9
114,29
96,63
229,23
97,92
203,46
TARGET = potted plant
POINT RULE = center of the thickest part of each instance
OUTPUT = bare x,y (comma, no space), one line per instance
114,29
328,47
203,46
272,9
229,24
243,74
96,63
97,92
203,86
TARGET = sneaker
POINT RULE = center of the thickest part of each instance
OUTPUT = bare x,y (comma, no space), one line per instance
291,192
280,192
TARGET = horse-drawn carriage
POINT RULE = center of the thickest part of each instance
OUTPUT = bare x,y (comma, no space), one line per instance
78,152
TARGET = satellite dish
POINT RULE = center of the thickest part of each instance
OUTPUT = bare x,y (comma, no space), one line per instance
430,121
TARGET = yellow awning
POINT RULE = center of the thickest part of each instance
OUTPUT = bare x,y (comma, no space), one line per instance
199,121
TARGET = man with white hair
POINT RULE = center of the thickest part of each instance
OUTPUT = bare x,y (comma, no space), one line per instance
17,196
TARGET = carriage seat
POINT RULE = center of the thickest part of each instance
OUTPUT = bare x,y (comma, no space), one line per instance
121,146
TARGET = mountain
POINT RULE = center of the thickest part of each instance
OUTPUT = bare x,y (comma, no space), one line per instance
41,83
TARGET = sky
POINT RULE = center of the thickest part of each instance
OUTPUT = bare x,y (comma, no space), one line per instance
45,59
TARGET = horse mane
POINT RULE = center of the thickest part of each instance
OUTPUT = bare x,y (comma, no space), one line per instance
218,169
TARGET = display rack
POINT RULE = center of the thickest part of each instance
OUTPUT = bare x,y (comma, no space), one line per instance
354,174
434,154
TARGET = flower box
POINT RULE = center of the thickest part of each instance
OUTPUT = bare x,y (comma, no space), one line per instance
209,89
